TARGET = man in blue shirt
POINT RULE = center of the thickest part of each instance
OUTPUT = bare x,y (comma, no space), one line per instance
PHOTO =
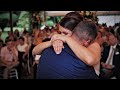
66,65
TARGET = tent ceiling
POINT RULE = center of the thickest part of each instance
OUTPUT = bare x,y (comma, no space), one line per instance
62,13
108,13
56,13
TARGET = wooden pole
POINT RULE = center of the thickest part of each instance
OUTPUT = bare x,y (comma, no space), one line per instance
11,22
45,18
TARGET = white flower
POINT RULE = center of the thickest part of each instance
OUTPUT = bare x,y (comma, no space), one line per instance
116,53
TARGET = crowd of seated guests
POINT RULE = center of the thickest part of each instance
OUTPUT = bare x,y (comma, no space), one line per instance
18,47
8,57
110,62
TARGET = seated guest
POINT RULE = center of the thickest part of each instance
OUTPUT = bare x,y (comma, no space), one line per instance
110,61
9,57
23,50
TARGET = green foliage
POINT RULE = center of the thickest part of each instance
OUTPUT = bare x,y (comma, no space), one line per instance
23,20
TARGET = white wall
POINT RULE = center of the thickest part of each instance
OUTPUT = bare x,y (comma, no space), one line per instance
109,20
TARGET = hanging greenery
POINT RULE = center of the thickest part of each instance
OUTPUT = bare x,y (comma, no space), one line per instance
90,16
23,20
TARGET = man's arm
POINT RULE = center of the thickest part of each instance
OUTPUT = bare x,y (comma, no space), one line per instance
3,61
15,54
26,51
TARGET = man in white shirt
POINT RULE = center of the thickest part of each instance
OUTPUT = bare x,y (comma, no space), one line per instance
111,59
9,57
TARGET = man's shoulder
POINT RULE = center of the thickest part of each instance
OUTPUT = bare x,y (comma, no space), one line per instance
107,47
51,50
69,51
118,45
4,48
25,44
66,49
48,49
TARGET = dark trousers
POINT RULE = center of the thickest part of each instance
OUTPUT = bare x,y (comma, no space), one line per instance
35,70
31,58
21,60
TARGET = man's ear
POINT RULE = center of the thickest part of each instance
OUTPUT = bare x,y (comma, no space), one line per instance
86,43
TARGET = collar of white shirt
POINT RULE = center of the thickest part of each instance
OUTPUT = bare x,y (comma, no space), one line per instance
114,46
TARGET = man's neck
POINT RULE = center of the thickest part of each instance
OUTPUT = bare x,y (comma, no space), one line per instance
22,44
114,46
76,39
9,48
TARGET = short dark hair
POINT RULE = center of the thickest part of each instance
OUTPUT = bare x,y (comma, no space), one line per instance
87,27
8,40
22,38
68,23
112,31
15,39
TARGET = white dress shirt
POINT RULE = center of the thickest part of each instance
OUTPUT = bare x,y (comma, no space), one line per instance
110,57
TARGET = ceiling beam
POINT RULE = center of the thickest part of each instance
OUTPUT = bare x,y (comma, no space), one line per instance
108,13
62,13
56,13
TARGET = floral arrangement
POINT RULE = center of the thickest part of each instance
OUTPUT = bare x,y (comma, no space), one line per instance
90,16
